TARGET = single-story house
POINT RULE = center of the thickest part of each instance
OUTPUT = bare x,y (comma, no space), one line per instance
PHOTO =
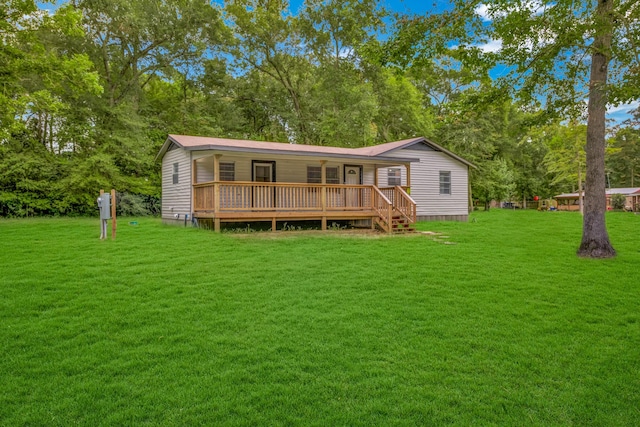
570,202
387,186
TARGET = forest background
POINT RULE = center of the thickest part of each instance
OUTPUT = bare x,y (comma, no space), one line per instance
89,90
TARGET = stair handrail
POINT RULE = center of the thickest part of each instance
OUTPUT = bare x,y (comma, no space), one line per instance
404,204
385,211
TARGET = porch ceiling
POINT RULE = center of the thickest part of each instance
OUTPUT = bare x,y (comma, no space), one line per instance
380,161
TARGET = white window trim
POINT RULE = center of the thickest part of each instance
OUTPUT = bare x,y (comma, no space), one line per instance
389,176
234,170
176,175
336,179
440,183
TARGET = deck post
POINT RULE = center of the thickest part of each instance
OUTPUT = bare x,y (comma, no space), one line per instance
375,175
216,191
408,166
273,224
194,173
323,180
113,214
216,167
194,181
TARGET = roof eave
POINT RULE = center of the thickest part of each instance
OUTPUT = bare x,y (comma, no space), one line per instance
422,139
301,154
165,147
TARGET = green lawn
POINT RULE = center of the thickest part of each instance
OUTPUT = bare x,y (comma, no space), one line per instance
174,326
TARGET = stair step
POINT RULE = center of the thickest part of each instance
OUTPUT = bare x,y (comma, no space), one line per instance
404,230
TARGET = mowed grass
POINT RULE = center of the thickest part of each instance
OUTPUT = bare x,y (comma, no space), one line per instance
174,326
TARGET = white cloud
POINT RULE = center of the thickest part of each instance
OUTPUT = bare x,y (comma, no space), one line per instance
623,108
491,47
483,11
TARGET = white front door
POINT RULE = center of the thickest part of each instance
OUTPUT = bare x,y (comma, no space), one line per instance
262,172
352,177
263,196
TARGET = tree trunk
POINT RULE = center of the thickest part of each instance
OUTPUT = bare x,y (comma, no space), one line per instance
580,194
595,240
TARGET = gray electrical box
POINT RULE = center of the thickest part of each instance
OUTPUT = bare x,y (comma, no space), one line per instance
104,203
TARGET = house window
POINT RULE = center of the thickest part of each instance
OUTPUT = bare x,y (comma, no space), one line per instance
227,171
332,176
445,182
175,173
394,177
314,175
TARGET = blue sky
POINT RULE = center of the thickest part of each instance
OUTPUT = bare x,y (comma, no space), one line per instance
617,114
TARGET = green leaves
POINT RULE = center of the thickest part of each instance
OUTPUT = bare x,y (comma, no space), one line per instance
89,91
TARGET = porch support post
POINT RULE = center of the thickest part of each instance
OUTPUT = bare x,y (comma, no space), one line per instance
194,181
408,166
216,191
216,167
375,175
323,180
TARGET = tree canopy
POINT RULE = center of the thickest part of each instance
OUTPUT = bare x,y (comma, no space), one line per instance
89,91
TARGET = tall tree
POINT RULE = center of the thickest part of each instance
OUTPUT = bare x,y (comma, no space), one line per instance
268,40
544,48
44,84
133,44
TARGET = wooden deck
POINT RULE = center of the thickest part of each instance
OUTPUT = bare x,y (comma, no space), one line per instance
257,201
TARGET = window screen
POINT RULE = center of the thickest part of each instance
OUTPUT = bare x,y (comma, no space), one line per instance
227,171
394,177
445,182
175,173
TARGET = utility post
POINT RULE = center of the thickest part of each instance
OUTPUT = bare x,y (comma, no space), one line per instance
107,207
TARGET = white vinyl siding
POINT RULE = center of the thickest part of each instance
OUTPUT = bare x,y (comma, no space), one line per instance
176,174
227,171
287,170
204,170
394,177
176,198
425,182
314,174
383,176
425,177
368,174
445,182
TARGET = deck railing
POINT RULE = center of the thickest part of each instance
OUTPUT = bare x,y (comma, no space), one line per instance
384,208
272,196
402,202
243,197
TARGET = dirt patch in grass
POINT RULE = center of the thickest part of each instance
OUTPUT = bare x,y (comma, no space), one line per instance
280,234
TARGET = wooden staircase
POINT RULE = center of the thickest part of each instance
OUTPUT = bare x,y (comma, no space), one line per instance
395,208
400,224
